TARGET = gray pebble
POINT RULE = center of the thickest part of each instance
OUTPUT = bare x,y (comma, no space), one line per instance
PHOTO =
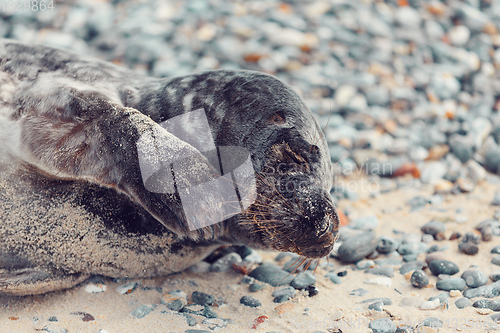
411,266
358,292
432,322
463,302
496,249
364,223
284,292
404,329
384,325
377,306
386,271
490,290
433,228
443,297
495,276
419,279
271,274
303,280
356,248
202,298
468,248
250,301
364,264
451,284
383,300
443,267
143,310
225,263
387,244
496,199
474,278
487,304
334,278
254,287
496,260
208,312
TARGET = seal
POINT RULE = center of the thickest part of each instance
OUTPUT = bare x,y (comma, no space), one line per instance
74,200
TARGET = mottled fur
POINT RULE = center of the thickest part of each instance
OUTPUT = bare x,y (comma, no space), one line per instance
72,198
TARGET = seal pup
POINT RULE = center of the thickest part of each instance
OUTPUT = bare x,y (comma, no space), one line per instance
73,201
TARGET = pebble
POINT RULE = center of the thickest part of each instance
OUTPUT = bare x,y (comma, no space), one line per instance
303,280
495,276
386,271
489,291
387,244
430,305
493,305
364,264
468,248
438,255
283,294
383,325
419,279
381,281
496,260
474,278
496,249
377,306
383,300
451,284
174,302
356,248
127,288
250,301
432,322
434,228
463,302
202,298
334,278
143,310
496,199
254,287
271,274
411,266
95,288
443,267
443,297
225,263
364,223
358,292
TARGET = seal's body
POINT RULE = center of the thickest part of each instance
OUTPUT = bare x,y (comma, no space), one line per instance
73,201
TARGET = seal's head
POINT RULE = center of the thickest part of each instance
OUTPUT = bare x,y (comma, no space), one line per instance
293,210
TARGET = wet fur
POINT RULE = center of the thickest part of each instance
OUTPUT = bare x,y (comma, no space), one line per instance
68,129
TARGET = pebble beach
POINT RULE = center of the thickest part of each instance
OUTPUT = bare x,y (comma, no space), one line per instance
408,95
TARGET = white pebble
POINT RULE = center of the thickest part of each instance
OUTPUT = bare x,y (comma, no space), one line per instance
430,305
381,281
459,35
95,288
127,288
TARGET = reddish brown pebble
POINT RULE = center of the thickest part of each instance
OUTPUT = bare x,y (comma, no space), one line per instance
439,236
259,320
13,318
242,267
455,235
407,168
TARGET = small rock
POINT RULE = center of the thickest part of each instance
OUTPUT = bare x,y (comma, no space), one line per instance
364,264
451,284
271,274
411,266
383,300
143,310
468,248
250,301
495,276
215,323
496,260
387,244
127,288
432,322
438,255
384,325
95,288
496,249
254,287
443,267
364,223
459,35
443,297
433,228
334,278
419,279
312,291
284,293
174,303
225,263
386,271
358,292
381,281
496,199
208,312
377,306
493,305
202,298
489,291
455,293
474,278
303,280
356,248
463,302
430,305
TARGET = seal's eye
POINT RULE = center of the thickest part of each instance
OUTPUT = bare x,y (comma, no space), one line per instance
277,118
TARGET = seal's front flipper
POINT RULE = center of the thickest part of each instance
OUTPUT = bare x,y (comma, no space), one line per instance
32,281
89,137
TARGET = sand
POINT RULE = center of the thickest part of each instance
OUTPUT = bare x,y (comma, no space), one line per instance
332,309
